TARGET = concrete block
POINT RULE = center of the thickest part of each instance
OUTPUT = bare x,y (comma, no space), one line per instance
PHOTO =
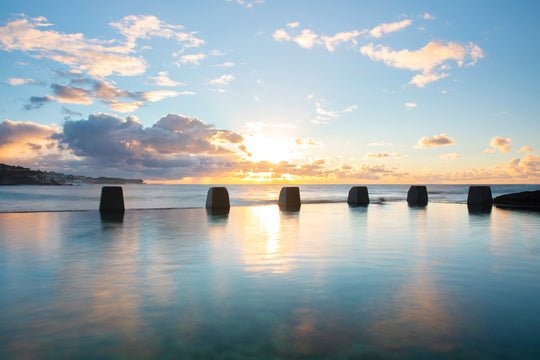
417,195
217,200
358,195
112,199
289,198
479,196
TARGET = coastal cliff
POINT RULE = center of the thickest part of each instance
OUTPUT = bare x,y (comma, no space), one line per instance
18,175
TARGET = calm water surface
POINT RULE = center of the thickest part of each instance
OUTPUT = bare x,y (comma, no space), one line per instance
384,282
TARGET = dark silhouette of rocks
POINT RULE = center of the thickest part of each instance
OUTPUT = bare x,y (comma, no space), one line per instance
522,200
18,175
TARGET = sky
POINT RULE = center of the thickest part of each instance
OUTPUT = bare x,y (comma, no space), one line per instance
270,91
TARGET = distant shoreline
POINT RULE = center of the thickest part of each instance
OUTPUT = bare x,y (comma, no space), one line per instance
17,175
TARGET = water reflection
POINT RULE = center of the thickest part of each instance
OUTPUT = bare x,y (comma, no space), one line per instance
328,281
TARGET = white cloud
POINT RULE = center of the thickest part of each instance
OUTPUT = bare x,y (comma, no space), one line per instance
281,35
19,81
324,115
257,99
158,95
332,42
293,25
99,58
427,59
410,105
428,16
222,80
162,79
421,80
382,29
307,39
142,27
436,140
452,156
194,59
227,64
246,3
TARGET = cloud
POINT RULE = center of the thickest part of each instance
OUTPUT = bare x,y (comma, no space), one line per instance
143,27
410,105
452,156
498,143
12,132
162,79
194,59
158,95
66,94
306,143
324,115
227,64
246,3
281,35
99,58
332,42
103,91
222,80
307,39
385,155
427,16
36,102
383,29
525,149
380,143
427,59
421,80
436,140
19,81
105,140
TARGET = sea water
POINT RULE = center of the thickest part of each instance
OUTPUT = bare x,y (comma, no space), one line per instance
386,281
28,198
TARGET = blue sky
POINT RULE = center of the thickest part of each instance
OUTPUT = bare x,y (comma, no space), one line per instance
273,91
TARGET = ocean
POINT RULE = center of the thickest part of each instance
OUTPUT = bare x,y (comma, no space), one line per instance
29,198
330,281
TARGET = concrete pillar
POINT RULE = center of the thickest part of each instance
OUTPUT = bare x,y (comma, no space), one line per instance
417,195
289,198
112,199
217,200
479,196
358,195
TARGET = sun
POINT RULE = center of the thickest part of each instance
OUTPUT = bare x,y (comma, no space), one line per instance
272,149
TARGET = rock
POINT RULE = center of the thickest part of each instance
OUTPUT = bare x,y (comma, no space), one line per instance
358,195
479,196
417,195
112,199
217,200
524,200
289,198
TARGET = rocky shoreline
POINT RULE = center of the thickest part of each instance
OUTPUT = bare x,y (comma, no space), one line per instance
18,175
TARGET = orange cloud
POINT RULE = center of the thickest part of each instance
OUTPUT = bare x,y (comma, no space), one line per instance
436,140
498,143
